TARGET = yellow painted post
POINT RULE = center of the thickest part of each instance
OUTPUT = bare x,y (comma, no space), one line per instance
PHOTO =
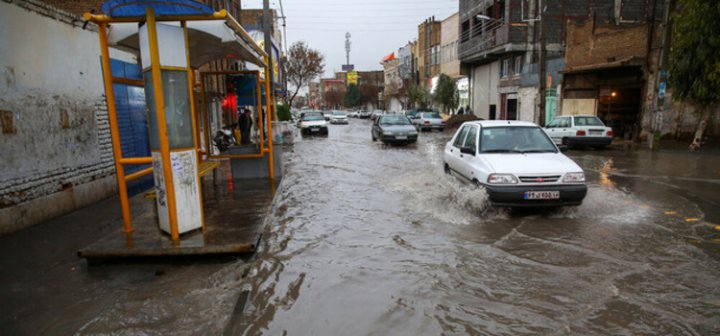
194,122
114,130
162,123
259,110
268,118
204,112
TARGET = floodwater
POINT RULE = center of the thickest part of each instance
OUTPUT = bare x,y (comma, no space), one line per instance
371,239
368,239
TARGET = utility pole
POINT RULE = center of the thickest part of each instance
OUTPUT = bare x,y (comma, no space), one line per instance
542,68
267,29
285,38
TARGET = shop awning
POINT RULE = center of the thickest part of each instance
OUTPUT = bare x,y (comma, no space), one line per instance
625,62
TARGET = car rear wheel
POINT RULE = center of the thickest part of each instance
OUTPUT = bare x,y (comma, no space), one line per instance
566,142
447,169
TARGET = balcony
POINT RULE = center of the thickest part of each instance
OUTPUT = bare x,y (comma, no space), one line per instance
481,42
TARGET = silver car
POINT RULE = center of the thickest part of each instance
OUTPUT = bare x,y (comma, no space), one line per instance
428,121
393,128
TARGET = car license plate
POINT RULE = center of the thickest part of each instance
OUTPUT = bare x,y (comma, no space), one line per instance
536,195
314,130
595,132
401,137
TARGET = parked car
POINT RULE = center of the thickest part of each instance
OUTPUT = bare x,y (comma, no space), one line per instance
339,117
313,123
428,121
579,130
516,163
364,114
327,115
393,128
413,113
354,114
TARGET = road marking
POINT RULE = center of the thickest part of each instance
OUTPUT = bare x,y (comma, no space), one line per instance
671,212
692,219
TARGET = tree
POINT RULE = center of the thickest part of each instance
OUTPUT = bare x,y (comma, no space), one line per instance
303,65
695,60
333,98
369,93
418,96
353,96
446,93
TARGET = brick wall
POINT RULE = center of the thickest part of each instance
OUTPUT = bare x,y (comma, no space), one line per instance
588,45
60,156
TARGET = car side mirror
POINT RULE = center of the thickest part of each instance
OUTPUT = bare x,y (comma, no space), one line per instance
562,148
467,150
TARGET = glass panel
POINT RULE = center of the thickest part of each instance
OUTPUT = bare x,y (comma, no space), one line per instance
177,109
461,137
471,139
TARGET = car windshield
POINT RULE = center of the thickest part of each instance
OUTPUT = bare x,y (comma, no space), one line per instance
339,114
431,115
394,120
588,121
313,117
514,139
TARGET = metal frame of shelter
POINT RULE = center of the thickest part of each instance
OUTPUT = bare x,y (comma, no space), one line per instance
104,23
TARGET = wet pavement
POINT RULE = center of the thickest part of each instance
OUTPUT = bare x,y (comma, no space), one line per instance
369,239
376,240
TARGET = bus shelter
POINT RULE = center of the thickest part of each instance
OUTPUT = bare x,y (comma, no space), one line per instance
173,39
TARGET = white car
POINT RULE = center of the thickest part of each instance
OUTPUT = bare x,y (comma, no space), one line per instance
428,121
313,123
579,130
339,117
516,163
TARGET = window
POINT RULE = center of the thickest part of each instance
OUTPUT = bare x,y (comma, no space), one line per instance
517,67
563,123
460,139
588,121
504,68
465,31
471,140
552,124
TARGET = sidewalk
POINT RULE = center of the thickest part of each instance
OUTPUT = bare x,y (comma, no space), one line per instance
47,289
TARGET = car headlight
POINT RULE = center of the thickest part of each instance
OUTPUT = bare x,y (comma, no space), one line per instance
412,133
574,177
502,179
388,133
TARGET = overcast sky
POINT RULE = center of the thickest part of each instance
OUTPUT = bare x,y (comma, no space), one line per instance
378,27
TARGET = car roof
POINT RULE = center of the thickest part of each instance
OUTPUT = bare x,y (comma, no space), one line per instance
501,123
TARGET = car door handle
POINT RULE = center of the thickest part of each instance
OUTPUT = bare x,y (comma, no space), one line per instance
461,156
451,151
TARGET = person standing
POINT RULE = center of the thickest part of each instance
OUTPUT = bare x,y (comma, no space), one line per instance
245,124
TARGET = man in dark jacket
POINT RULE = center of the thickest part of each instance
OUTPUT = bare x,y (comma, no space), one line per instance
245,124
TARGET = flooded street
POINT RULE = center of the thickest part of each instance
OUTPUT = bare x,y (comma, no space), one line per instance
375,240
368,239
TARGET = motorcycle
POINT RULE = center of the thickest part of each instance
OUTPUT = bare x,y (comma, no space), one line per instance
224,138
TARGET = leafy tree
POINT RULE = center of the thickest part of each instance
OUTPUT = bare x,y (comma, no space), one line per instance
353,96
446,93
303,65
695,59
418,96
283,112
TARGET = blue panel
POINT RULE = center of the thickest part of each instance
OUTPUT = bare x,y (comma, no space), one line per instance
132,122
246,90
135,8
117,68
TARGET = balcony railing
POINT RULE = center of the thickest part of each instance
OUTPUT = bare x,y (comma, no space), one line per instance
481,38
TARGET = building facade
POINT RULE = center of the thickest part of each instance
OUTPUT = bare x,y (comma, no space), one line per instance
428,50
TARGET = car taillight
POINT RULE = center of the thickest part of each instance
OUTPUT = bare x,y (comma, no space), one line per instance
580,133
442,122
427,123
609,133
